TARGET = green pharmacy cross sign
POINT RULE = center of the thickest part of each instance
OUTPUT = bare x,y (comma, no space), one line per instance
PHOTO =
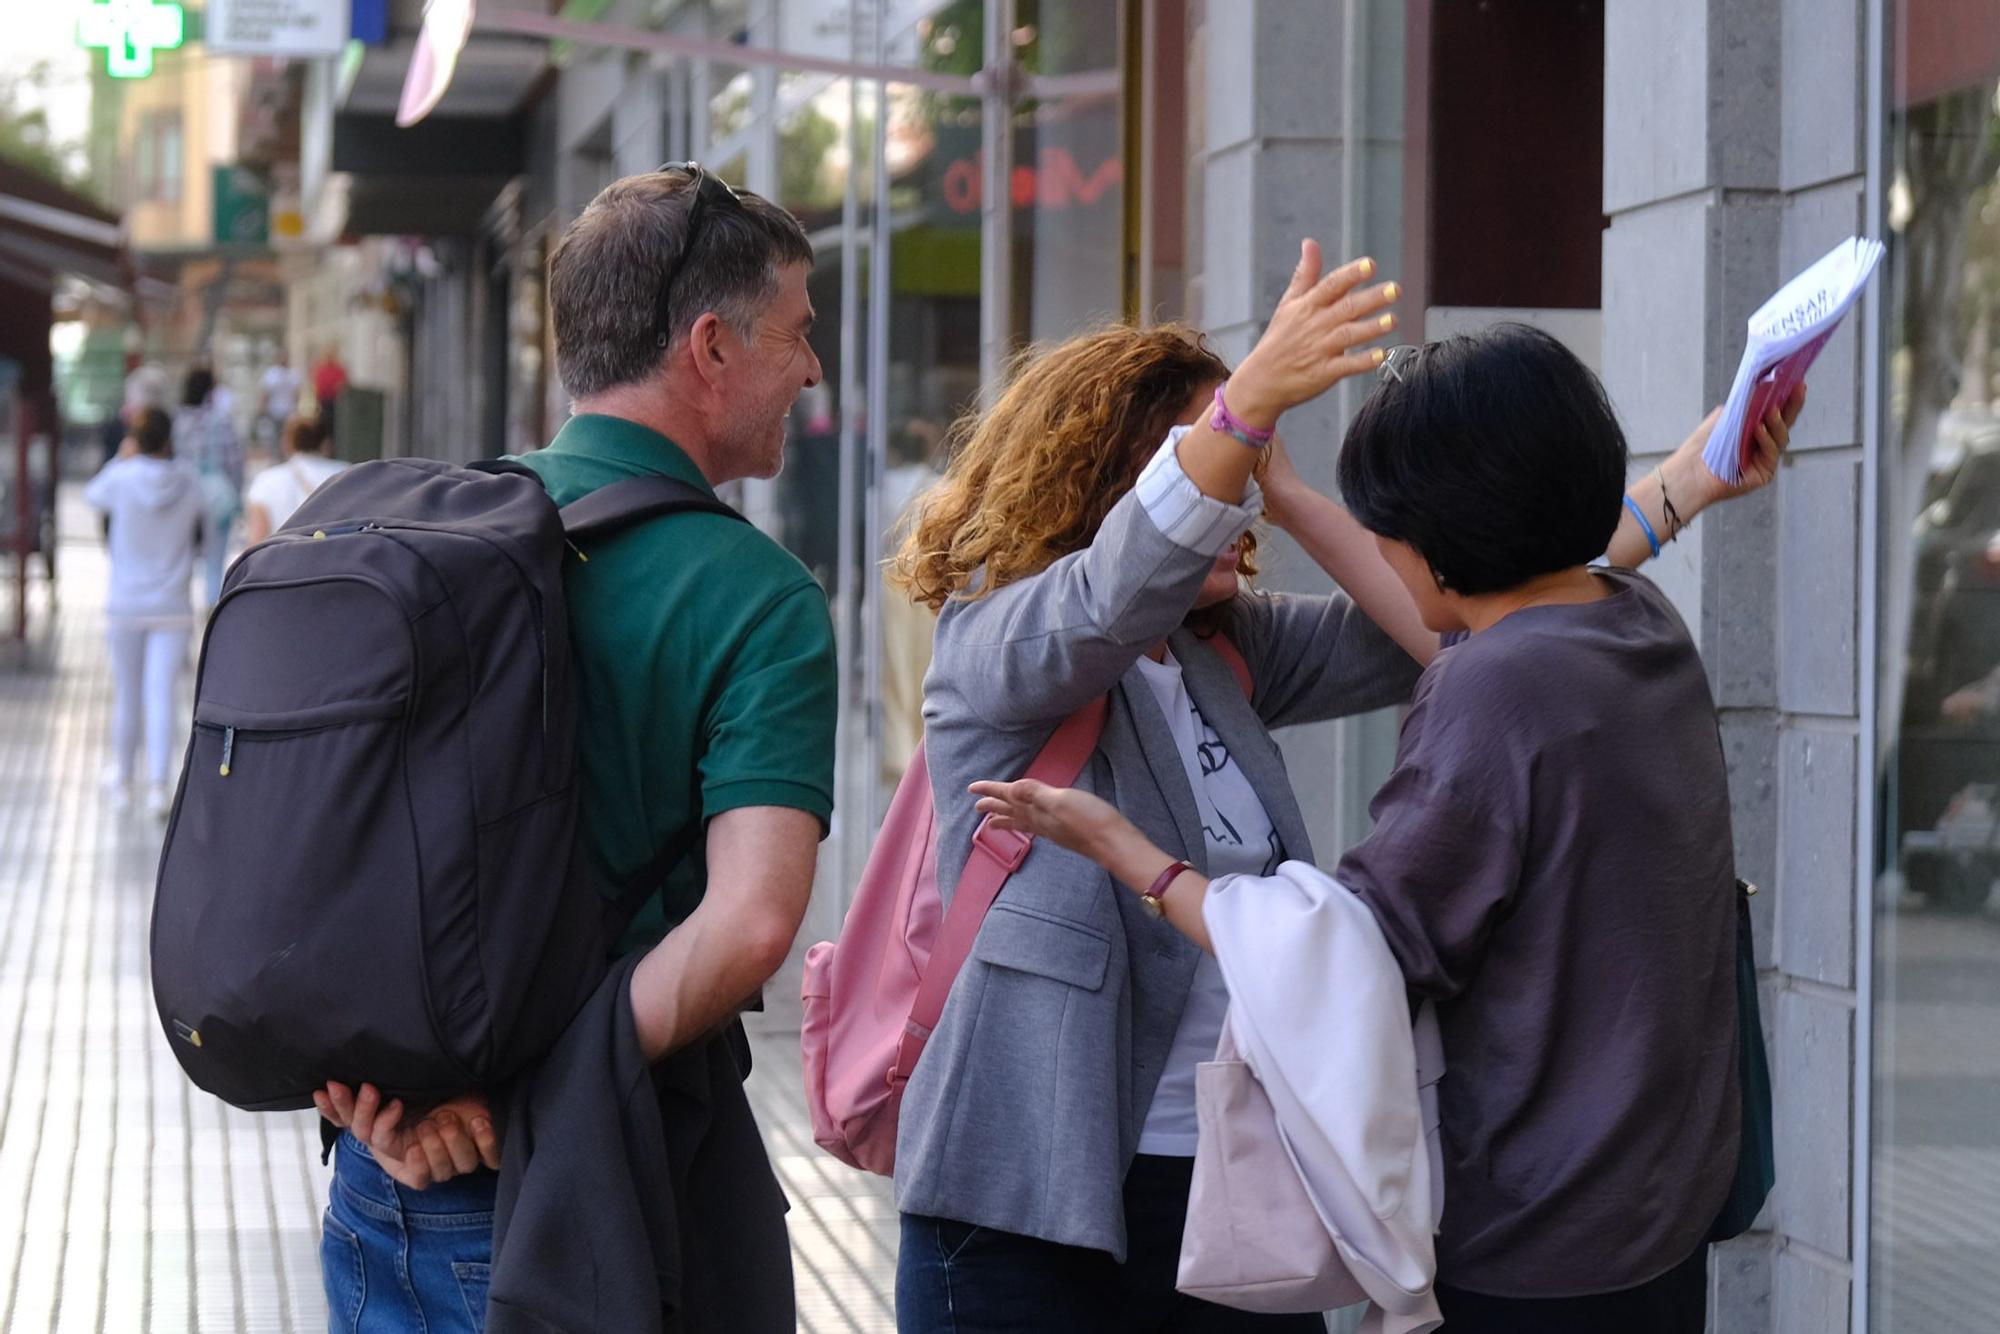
130,31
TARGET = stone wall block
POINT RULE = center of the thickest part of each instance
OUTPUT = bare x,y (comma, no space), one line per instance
1815,890
1656,320
1812,1297
1739,1286
1656,126
1739,610
1813,1063
1819,516
1750,749
1274,71
1821,121
1743,96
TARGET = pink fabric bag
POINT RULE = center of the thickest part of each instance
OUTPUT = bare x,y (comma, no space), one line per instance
872,998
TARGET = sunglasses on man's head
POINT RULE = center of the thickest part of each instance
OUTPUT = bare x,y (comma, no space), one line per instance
709,191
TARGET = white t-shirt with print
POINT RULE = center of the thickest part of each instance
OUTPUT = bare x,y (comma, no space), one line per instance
1241,841
283,487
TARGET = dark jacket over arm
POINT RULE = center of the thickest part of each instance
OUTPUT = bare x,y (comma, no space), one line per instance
636,1199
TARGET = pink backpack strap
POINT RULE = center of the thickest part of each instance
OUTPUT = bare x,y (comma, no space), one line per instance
996,855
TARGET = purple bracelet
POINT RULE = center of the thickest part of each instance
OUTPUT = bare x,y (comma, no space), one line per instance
1225,421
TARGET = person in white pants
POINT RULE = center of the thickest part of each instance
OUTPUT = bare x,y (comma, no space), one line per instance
158,519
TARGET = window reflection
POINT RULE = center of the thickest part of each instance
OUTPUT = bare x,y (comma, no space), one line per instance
1936,1212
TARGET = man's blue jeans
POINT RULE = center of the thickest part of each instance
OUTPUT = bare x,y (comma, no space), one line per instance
397,1260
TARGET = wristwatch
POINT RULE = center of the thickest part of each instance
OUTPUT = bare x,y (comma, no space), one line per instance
1154,895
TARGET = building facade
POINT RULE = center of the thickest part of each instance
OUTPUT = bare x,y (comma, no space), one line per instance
1637,177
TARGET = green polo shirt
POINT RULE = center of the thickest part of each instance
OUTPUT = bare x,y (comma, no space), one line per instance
704,661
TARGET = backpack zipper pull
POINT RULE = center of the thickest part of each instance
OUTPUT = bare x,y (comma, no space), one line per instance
228,748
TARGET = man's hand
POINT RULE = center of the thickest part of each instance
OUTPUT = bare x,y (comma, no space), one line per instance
451,1139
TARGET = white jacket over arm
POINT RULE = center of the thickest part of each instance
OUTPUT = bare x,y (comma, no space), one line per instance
1318,1008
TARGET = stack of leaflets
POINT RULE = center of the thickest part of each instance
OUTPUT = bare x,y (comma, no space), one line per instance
1786,333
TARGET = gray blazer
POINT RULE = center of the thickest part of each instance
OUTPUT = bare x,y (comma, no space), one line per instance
1024,1113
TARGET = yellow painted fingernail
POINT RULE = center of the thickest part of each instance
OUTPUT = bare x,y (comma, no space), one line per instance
1367,268
1392,291
1387,321
1379,356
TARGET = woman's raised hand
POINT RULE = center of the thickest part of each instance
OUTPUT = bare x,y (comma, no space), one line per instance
1315,339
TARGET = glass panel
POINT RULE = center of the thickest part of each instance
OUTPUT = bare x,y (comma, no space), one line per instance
1068,181
931,371
899,347
1935,1222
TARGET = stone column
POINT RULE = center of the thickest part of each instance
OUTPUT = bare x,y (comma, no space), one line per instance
1278,128
1733,157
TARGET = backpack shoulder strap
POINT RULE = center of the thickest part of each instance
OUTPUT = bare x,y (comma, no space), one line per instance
605,511
634,500
996,855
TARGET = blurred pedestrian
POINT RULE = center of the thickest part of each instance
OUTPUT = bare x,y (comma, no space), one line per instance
278,398
329,381
145,387
206,439
282,488
158,517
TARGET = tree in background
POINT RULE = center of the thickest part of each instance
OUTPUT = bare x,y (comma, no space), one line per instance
25,137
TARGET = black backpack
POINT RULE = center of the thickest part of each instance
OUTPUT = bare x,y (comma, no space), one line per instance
371,870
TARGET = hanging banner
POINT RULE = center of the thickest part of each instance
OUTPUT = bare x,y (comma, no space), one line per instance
299,28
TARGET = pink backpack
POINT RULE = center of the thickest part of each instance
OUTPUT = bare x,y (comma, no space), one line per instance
872,998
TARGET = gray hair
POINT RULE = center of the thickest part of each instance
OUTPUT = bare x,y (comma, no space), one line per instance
606,272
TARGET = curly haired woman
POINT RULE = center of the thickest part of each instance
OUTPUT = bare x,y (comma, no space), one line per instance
1047,1136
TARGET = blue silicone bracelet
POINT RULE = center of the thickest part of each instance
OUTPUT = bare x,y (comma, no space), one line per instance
1652,538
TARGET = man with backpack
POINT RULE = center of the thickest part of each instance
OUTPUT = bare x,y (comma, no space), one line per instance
703,662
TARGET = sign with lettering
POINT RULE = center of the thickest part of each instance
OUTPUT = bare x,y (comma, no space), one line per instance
130,31
301,28
242,207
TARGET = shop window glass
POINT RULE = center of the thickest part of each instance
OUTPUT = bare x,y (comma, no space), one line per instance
1935,1217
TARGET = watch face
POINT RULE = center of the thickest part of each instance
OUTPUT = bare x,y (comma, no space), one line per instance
1153,905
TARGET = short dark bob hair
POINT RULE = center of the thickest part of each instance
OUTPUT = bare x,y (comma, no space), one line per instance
1496,455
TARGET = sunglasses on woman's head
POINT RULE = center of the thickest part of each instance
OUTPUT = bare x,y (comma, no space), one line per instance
1398,362
708,191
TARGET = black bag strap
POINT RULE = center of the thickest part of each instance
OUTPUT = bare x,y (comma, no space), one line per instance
605,511
634,500
611,508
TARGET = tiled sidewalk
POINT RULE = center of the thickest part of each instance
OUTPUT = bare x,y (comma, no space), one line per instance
129,1201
